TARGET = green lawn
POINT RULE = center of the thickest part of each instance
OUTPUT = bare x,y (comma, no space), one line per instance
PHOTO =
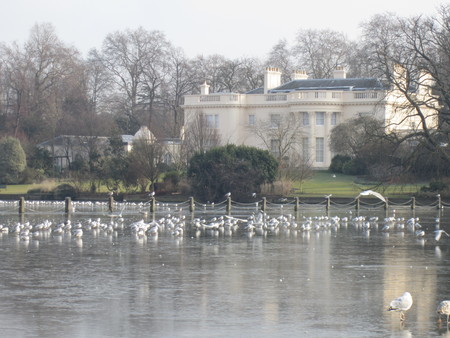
323,183
18,189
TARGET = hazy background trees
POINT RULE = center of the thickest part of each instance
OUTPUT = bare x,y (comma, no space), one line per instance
138,77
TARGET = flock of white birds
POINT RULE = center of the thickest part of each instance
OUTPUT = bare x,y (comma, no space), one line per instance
404,302
258,223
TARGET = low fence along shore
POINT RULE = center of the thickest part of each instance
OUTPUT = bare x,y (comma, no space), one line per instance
227,206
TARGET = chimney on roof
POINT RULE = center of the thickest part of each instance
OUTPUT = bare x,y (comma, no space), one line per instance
299,75
339,73
204,89
272,78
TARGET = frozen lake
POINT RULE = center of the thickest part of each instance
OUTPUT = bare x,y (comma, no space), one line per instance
333,281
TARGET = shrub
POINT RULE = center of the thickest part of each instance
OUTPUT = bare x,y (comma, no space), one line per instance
338,162
172,178
237,169
32,175
354,167
64,190
435,186
12,160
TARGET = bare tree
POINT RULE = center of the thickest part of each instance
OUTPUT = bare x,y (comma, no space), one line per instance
16,85
319,52
229,79
208,69
200,136
280,135
414,55
156,69
281,56
251,74
99,82
146,160
298,169
181,81
38,79
134,60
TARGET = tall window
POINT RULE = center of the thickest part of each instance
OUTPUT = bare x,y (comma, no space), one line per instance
320,118
275,147
334,118
212,121
251,120
319,149
305,148
305,117
275,120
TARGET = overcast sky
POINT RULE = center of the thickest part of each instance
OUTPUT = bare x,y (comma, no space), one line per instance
233,28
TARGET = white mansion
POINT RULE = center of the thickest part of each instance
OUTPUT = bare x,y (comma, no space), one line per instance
319,105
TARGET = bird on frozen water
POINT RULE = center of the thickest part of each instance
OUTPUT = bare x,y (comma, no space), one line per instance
444,309
438,234
401,304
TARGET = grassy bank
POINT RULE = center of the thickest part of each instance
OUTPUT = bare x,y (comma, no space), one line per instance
339,185
322,183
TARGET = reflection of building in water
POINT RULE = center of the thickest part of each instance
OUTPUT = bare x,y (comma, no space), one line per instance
408,266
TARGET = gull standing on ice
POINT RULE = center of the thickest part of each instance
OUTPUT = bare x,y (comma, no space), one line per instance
444,309
401,304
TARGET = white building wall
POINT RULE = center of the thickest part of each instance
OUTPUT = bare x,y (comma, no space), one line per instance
233,111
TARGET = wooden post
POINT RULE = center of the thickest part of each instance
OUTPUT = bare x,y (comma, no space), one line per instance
264,204
68,208
327,207
111,204
22,205
297,204
152,204
357,203
413,203
228,205
191,204
386,204
439,205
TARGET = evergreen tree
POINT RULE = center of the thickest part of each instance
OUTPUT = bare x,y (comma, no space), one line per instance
12,160
237,169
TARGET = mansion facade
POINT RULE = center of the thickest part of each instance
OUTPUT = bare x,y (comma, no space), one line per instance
317,104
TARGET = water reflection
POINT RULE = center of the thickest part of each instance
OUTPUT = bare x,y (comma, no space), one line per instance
316,278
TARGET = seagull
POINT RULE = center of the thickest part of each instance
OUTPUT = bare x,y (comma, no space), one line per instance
401,304
444,309
438,234
152,194
228,194
373,193
254,195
